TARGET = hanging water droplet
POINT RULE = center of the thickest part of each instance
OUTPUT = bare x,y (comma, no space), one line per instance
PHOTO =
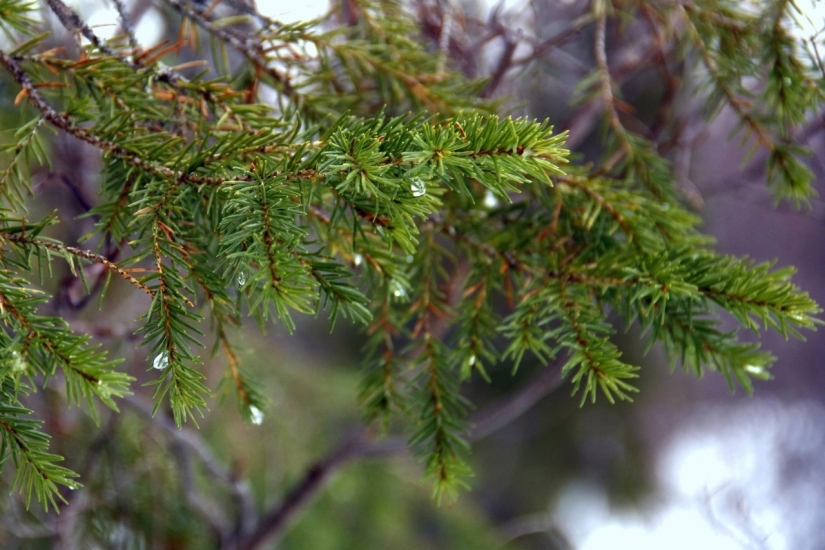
357,259
451,230
256,415
103,389
18,362
410,258
241,277
397,290
161,361
418,187
755,369
472,360
490,200
310,49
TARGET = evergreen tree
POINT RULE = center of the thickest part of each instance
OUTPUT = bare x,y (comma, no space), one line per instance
345,168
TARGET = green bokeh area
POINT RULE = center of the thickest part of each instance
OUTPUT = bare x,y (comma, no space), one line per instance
136,473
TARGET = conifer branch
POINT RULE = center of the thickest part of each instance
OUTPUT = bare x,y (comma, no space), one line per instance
37,470
736,103
462,238
25,240
62,122
73,22
250,49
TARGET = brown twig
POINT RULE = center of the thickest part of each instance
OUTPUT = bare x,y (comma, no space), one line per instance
62,122
79,253
72,22
505,63
253,51
606,87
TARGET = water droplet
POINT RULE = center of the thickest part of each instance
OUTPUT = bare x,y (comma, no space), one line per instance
256,415
410,258
18,362
527,153
357,259
241,277
451,230
418,187
398,290
310,50
161,361
490,200
380,229
472,360
103,389
754,369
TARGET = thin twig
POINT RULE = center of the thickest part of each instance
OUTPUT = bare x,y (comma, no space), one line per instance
79,253
505,63
444,37
62,122
72,22
127,26
202,506
606,84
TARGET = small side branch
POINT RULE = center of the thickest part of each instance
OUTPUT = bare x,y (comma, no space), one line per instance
63,123
78,253
72,21
606,82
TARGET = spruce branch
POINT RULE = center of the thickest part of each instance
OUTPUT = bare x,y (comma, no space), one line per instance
786,174
73,22
48,342
63,122
68,252
463,241
253,52
37,472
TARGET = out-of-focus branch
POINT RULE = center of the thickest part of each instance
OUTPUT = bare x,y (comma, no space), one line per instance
126,25
505,63
362,444
251,49
186,439
72,22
